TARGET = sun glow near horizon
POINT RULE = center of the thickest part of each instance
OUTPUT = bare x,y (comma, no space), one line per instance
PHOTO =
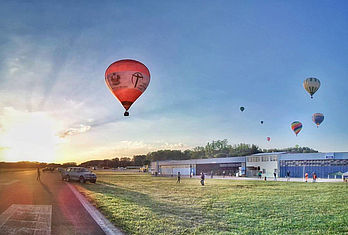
29,136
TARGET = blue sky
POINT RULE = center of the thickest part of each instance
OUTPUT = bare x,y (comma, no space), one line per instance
206,58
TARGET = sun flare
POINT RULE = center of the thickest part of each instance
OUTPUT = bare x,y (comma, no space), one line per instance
28,136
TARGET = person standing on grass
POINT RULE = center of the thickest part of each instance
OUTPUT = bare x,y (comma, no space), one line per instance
211,174
306,177
38,174
288,175
260,174
179,176
275,176
314,177
202,178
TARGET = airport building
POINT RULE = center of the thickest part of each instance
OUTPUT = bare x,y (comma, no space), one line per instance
230,166
325,165
267,163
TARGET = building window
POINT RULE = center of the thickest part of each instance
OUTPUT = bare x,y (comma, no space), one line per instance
264,158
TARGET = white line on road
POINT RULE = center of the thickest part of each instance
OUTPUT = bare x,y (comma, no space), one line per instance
104,223
9,182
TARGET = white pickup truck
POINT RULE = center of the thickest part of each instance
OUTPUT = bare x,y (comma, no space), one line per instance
79,173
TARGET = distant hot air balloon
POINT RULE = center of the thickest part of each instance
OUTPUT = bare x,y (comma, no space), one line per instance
127,80
268,138
296,127
318,118
261,122
311,85
242,108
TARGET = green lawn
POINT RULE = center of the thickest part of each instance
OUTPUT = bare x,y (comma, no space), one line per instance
142,204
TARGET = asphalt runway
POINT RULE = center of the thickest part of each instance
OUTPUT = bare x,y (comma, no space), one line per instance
29,206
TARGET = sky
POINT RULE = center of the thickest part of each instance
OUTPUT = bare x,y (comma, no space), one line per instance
206,59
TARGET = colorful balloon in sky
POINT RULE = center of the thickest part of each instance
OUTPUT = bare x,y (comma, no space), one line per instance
318,118
242,108
311,85
296,127
127,80
268,138
261,122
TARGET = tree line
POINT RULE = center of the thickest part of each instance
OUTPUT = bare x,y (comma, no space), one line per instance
214,149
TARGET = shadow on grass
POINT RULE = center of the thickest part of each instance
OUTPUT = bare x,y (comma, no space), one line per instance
185,219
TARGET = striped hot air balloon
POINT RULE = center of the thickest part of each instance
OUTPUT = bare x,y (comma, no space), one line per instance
311,85
318,118
296,126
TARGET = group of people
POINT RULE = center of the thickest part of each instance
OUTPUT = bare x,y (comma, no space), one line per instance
259,176
202,178
314,177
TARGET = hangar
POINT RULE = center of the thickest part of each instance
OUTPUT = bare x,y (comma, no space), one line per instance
325,165
230,166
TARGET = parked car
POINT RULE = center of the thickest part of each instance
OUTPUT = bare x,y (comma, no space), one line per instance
79,173
48,169
60,169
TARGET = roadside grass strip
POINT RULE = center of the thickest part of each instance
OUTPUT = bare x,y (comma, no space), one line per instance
142,204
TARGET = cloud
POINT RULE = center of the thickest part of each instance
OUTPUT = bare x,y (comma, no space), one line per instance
127,148
75,131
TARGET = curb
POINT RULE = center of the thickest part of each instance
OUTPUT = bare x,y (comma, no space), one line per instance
104,223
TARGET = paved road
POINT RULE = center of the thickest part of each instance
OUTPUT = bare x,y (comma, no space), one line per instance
68,216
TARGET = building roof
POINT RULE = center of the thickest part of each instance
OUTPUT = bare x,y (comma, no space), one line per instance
265,154
314,156
203,161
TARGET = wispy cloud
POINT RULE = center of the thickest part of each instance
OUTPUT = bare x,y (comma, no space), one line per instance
75,130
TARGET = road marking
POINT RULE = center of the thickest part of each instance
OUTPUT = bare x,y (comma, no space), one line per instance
26,219
104,223
9,182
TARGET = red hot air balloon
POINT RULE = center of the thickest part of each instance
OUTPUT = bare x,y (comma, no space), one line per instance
268,138
127,80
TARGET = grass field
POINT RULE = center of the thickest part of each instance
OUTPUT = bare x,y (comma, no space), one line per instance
142,204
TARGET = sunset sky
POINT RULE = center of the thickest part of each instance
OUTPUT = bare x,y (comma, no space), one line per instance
206,59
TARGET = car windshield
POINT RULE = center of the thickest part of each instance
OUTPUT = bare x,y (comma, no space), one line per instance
83,170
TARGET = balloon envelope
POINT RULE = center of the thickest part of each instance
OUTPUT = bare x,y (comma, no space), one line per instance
311,85
318,118
268,138
127,80
242,108
261,122
296,127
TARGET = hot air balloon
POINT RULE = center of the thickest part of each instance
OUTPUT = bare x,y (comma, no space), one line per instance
268,138
261,122
296,127
127,80
311,85
242,108
318,118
